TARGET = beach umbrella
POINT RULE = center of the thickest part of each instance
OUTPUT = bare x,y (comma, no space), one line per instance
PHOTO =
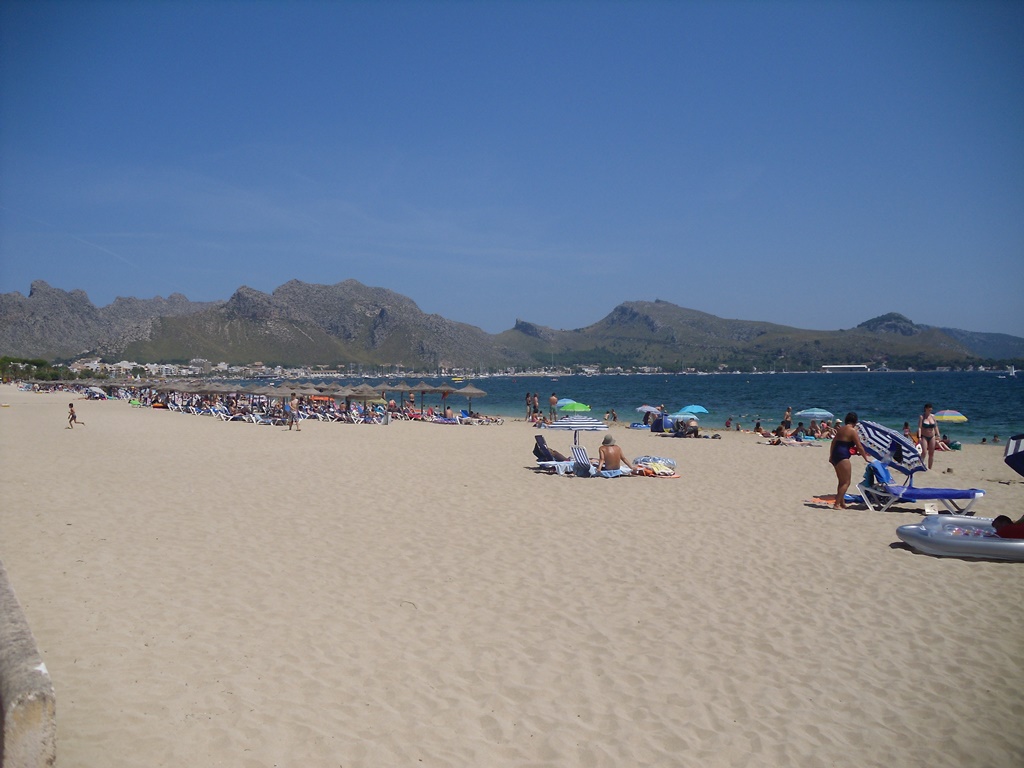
402,386
469,391
684,415
647,409
819,414
575,407
953,416
577,424
445,390
562,402
889,446
693,409
1014,455
365,392
423,388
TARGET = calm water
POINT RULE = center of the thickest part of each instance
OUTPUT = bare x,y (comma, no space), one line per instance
993,405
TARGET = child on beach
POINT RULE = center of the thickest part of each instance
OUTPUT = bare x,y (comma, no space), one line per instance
73,417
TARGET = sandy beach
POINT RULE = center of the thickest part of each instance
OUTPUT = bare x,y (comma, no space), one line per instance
222,594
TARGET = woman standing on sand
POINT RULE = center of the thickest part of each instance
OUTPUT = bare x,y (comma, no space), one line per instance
927,433
843,443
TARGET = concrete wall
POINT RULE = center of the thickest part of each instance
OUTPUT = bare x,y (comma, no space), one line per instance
28,705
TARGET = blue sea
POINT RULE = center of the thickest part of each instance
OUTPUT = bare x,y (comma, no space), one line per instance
992,402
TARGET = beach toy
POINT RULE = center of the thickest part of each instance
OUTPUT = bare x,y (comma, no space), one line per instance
958,536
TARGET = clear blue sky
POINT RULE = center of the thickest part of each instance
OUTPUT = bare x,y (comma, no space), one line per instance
814,164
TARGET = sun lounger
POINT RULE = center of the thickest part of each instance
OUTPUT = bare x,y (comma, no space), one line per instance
225,415
547,459
879,492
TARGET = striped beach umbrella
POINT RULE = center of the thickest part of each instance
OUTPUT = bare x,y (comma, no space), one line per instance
952,416
1014,455
890,447
578,423
684,414
819,414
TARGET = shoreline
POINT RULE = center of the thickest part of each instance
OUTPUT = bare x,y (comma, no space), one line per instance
211,593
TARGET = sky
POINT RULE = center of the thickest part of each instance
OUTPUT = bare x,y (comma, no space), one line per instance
814,164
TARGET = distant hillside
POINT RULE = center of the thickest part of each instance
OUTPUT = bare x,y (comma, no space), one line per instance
320,324
661,333
302,323
55,324
992,346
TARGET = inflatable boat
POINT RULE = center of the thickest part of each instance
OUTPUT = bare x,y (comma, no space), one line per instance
957,536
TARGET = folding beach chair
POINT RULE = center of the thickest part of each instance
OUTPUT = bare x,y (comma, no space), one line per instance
583,466
879,492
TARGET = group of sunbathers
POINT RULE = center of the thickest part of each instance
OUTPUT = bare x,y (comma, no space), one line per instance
816,431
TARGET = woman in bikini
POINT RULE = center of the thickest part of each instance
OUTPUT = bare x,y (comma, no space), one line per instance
927,433
839,457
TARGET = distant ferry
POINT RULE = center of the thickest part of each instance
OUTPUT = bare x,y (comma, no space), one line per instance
845,368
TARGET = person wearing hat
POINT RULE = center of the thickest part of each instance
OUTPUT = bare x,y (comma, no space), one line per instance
610,458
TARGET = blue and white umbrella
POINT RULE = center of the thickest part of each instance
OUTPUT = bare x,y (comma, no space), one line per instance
819,414
889,446
684,414
1014,454
578,423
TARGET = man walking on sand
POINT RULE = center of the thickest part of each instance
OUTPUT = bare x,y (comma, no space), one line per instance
293,413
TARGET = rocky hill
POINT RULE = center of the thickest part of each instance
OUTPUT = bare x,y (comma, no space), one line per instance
320,324
661,333
302,323
55,324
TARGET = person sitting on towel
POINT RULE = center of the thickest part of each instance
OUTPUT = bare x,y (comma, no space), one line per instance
1008,529
610,458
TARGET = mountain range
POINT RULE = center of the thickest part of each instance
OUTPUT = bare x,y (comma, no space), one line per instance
351,323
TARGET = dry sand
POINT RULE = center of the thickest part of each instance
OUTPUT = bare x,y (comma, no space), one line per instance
222,594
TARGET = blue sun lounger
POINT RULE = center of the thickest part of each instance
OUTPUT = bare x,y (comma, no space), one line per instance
879,492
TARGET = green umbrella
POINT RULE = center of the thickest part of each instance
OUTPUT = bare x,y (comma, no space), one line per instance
575,407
